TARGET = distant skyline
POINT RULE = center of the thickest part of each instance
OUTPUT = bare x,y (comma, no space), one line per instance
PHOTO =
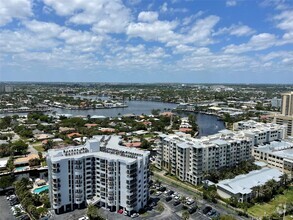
136,41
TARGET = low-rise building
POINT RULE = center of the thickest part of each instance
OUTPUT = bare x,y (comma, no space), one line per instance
242,186
278,154
101,171
260,132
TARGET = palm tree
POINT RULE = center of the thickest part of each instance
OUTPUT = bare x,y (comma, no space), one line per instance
185,215
183,199
272,184
284,179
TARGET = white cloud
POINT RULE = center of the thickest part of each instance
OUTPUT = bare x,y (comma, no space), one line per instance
189,19
105,16
257,42
164,7
10,9
236,30
277,4
285,20
212,62
44,29
231,3
242,31
200,33
148,16
161,31
82,41
164,31
23,41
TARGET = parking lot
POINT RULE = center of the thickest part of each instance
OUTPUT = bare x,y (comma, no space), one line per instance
74,215
176,210
6,213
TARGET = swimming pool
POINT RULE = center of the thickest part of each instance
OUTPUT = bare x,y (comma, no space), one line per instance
21,168
41,189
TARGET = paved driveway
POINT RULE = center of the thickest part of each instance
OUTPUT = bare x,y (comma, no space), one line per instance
74,215
5,212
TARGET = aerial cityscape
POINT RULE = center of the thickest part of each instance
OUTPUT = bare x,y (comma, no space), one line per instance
131,109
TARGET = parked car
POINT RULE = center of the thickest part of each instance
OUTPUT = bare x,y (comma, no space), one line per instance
162,188
170,192
206,209
9,198
212,212
189,202
169,198
24,217
192,209
176,203
14,202
120,211
9,193
134,215
215,215
158,193
166,192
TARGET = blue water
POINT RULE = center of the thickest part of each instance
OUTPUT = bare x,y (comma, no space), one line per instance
134,107
208,124
21,168
41,189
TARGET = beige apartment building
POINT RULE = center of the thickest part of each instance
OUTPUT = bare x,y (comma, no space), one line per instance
190,159
287,104
286,116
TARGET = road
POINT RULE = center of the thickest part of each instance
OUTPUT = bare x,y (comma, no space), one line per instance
32,150
167,214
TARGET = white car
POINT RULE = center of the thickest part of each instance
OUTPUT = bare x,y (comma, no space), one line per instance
134,215
166,192
189,202
84,218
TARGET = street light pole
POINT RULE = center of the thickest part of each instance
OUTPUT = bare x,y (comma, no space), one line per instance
284,211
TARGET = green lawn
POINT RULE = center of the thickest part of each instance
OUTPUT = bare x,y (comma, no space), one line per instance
39,148
269,208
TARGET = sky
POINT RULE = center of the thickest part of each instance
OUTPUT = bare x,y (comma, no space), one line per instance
184,41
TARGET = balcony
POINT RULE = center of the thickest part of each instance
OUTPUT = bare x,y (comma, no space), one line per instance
131,202
78,167
78,162
56,186
132,186
78,181
78,177
132,197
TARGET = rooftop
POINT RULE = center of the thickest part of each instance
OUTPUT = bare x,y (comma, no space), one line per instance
243,184
279,148
101,145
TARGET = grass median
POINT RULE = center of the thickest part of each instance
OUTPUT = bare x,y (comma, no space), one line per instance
266,209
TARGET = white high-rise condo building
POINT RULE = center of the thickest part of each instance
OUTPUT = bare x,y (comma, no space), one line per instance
100,172
287,104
